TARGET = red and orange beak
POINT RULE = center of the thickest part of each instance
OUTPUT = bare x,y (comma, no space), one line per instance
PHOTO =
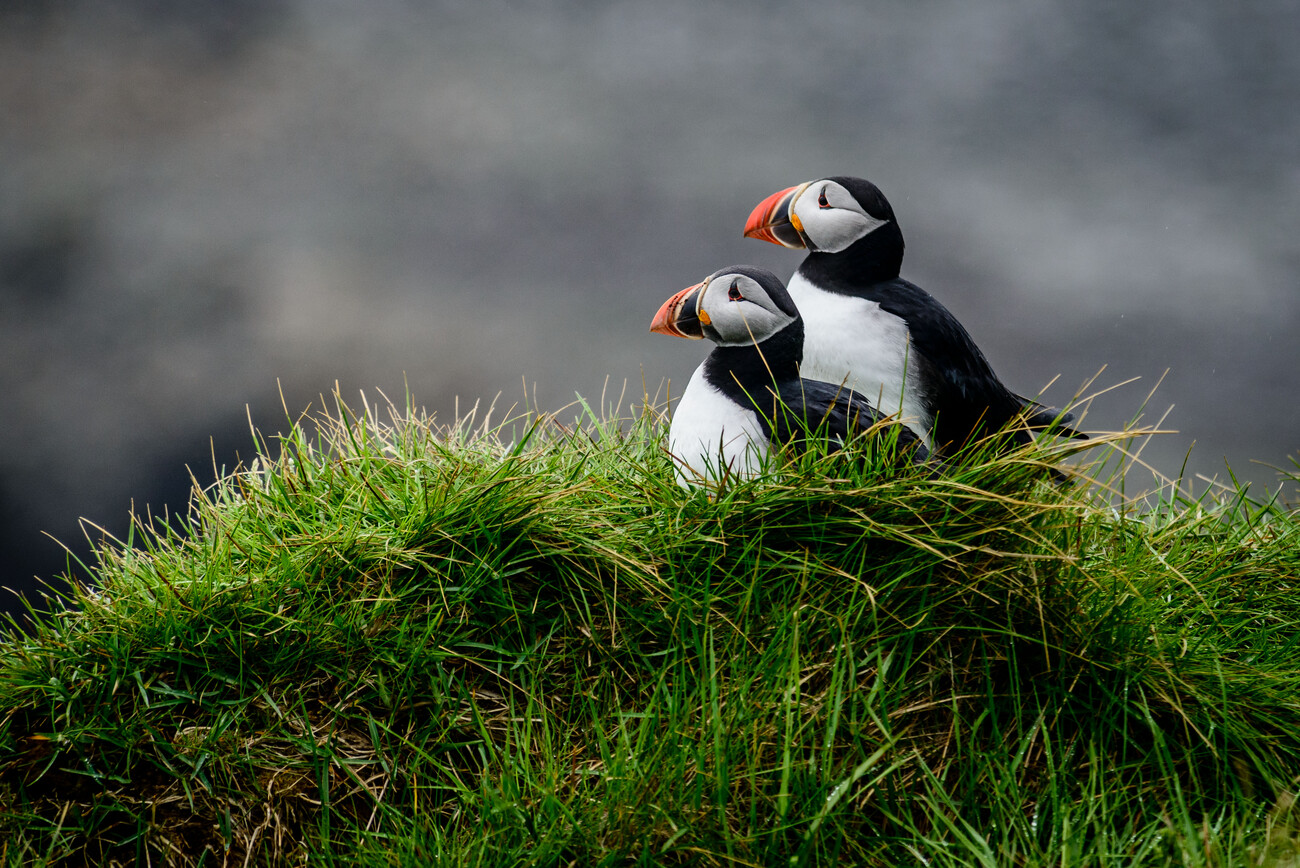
680,315
774,221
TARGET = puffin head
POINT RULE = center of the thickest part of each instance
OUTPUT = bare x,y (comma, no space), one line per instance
735,306
825,216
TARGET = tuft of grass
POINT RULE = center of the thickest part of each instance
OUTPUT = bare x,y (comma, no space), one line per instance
391,642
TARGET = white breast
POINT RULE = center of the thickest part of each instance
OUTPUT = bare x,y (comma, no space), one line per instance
710,432
853,341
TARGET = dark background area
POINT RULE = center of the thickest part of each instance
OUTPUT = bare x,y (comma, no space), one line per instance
205,206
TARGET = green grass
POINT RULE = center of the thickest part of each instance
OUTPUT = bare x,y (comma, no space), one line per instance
391,643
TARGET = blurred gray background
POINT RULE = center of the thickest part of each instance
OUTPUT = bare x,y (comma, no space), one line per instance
202,200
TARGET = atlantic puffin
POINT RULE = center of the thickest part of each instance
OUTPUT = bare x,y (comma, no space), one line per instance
747,396
884,337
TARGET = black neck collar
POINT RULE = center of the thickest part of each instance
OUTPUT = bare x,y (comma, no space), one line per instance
874,259
753,369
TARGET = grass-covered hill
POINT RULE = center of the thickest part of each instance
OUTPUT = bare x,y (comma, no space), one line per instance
395,644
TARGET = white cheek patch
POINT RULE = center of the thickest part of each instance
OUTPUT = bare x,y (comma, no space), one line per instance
739,326
834,229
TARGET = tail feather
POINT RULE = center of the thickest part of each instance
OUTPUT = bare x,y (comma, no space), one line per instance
1040,417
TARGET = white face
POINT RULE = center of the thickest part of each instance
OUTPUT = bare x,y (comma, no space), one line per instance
739,310
828,216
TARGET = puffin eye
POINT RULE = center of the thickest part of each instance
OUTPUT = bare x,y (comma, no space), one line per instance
733,294
821,199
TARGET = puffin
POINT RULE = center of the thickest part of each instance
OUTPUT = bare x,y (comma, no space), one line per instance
747,397
884,337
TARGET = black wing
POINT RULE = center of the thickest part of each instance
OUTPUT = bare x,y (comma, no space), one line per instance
966,397
812,408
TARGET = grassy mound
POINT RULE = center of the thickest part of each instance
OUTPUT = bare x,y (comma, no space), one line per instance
396,644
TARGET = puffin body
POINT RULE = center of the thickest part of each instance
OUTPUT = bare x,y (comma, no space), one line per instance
748,396
711,430
884,337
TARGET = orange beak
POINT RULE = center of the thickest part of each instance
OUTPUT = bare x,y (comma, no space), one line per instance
772,220
678,316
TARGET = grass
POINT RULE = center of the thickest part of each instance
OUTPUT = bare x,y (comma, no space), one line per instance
387,642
